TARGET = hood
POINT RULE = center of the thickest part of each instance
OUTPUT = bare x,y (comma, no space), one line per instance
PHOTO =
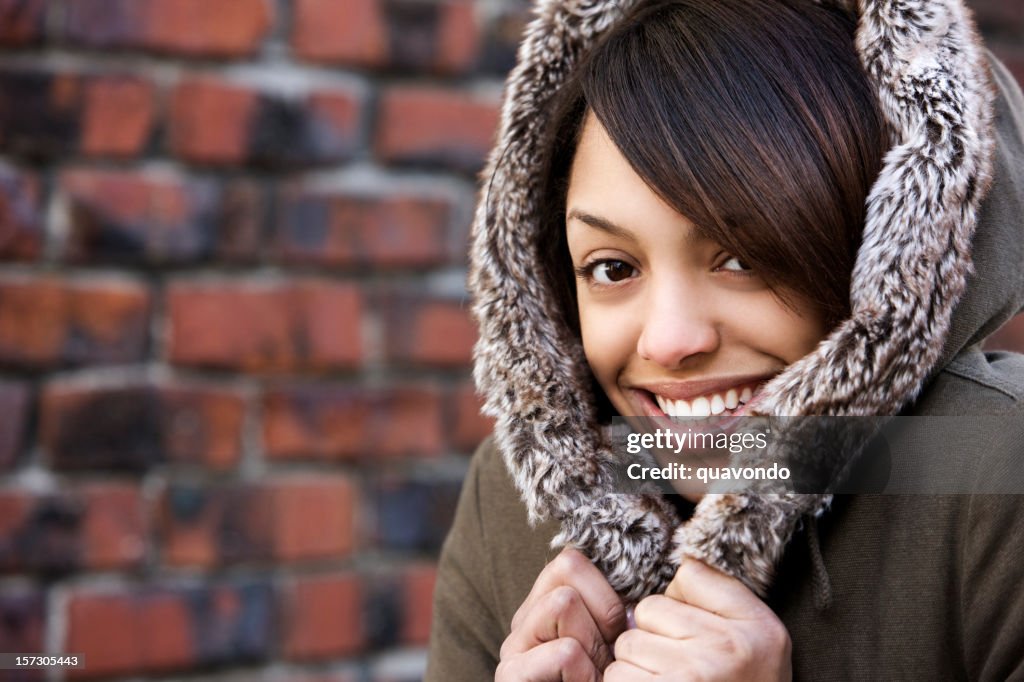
926,63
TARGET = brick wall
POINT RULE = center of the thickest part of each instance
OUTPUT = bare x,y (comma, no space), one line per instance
235,405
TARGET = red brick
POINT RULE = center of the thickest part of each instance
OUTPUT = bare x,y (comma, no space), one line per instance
308,325
352,32
471,427
22,22
421,125
42,533
118,117
429,331
133,426
210,121
322,617
213,525
124,633
114,527
187,27
203,426
313,518
45,322
440,36
332,421
14,406
419,600
352,229
21,215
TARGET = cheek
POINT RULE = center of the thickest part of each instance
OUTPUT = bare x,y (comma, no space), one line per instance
609,340
778,330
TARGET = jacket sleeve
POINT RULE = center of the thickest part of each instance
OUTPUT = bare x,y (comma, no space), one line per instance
992,594
465,635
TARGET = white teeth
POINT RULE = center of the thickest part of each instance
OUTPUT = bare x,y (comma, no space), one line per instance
701,407
731,399
682,409
705,406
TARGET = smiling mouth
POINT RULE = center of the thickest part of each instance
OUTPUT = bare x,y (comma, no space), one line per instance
724,402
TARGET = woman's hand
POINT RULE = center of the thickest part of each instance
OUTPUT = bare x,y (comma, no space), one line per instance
707,626
565,628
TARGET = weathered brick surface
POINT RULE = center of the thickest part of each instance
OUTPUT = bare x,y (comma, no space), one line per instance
428,331
134,426
15,408
95,526
322,616
40,112
396,606
46,322
22,621
432,126
329,421
352,229
470,426
130,217
414,515
187,27
307,325
288,519
218,122
441,36
160,628
22,22
22,228
119,116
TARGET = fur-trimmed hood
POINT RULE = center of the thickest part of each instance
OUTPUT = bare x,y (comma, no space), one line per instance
926,63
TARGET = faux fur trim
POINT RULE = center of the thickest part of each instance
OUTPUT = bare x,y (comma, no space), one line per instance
929,71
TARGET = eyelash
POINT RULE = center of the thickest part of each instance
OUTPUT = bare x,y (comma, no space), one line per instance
586,271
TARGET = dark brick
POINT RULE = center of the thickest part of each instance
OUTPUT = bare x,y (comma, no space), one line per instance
22,225
352,229
124,216
501,38
41,534
397,606
40,113
133,427
15,407
22,22
415,516
22,625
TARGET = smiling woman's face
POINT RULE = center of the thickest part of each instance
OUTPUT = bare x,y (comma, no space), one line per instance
671,323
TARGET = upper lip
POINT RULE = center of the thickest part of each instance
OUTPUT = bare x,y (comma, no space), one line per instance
687,390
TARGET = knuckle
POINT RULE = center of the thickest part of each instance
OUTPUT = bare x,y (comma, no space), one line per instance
562,600
625,644
569,563
646,608
569,652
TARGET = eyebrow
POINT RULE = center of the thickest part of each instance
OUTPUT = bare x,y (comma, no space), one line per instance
601,224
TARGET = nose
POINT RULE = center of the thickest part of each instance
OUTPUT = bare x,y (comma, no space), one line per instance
678,324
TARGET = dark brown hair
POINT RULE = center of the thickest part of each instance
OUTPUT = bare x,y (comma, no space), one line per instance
752,118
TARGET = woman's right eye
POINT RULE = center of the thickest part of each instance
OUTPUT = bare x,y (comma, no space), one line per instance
609,271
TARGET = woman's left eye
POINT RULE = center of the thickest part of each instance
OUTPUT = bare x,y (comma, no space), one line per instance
734,264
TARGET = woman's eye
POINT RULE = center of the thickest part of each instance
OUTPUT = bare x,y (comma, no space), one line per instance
610,271
734,264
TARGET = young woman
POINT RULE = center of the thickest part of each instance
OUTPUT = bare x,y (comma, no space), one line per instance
694,205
